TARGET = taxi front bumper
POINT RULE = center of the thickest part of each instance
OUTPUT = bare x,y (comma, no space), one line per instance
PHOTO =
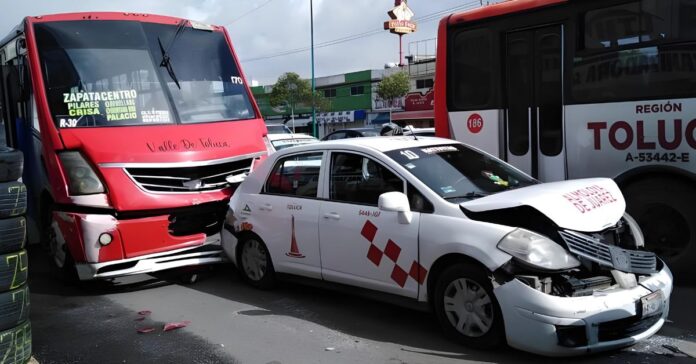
564,326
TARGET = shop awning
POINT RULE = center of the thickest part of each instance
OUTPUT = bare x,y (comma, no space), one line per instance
413,115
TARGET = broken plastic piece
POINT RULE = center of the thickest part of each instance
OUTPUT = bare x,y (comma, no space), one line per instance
141,318
175,325
144,313
146,330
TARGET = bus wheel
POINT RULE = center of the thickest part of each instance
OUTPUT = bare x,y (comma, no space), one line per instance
665,209
58,252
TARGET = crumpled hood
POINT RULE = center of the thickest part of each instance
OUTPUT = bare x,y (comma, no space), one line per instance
586,205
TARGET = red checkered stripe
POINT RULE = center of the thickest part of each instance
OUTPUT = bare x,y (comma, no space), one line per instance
392,250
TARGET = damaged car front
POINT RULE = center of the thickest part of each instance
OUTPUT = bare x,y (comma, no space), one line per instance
579,279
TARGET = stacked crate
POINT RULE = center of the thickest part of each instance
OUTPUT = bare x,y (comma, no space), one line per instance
15,329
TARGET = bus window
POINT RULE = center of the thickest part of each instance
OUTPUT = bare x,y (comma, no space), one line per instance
625,56
472,70
632,23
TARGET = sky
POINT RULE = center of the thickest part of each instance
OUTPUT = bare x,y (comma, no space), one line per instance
262,28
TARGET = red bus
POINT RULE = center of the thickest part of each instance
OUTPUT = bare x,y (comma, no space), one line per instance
571,89
130,125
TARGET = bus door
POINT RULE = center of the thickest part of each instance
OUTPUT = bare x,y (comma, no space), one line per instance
534,109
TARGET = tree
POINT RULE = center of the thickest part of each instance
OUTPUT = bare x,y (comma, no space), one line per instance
290,91
393,87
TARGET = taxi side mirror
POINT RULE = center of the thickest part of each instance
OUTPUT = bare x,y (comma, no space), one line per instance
396,202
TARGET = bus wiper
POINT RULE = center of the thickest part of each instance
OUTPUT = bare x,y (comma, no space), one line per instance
166,60
167,64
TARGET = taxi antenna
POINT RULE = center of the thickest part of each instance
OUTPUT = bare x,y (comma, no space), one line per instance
415,137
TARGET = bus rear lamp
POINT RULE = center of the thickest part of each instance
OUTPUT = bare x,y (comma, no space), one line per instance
82,180
105,239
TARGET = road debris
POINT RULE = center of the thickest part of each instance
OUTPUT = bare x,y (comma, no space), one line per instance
146,330
144,313
329,349
175,325
676,350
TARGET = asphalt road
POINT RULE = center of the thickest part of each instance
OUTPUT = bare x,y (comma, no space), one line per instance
233,323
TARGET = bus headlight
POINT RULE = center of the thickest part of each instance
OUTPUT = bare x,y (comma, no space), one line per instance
537,250
82,180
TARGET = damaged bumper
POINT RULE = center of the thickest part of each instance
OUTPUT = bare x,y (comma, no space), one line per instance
104,246
208,253
563,326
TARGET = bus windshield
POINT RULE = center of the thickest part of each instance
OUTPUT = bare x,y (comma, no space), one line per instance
118,73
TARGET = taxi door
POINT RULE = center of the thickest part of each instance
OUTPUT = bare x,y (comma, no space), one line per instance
361,245
287,211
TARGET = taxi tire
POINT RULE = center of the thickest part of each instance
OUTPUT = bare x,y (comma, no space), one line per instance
13,234
268,281
13,270
11,164
15,344
14,307
646,198
13,199
496,335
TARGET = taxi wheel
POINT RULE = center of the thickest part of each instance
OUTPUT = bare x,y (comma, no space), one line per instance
466,307
255,263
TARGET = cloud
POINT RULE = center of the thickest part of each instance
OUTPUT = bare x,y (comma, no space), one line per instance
275,27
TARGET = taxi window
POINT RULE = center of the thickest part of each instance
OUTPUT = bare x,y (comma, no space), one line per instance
296,175
359,179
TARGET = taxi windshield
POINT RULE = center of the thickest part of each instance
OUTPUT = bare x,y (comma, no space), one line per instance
458,173
116,73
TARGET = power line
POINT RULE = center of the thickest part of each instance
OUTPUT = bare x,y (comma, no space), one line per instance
250,11
424,19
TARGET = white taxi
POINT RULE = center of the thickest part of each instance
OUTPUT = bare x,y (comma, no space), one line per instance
551,268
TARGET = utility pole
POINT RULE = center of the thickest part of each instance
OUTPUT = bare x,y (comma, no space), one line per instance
314,110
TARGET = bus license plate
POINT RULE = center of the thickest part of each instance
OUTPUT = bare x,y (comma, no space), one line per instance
652,303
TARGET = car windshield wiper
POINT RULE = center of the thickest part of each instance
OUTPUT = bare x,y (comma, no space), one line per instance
166,60
469,195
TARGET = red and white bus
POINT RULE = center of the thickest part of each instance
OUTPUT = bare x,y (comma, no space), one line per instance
570,89
131,125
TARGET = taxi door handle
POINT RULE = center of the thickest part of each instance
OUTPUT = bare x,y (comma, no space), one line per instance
266,207
332,215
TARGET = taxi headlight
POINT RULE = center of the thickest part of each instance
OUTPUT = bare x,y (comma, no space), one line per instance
537,250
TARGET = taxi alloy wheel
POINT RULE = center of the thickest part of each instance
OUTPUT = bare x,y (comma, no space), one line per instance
255,263
466,307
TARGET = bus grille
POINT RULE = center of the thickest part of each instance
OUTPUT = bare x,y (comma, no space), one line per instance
188,179
631,261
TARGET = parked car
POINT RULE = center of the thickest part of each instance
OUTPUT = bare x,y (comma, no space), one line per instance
551,268
282,141
352,133
278,129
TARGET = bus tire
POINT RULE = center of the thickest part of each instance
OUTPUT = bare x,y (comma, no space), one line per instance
11,164
13,270
14,307
15,344
13,234
13,199
665,209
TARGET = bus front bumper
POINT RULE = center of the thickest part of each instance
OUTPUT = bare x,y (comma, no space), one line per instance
209,253
103,246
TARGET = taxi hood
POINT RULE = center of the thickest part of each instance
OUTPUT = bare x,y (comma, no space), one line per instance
586,205
166,143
